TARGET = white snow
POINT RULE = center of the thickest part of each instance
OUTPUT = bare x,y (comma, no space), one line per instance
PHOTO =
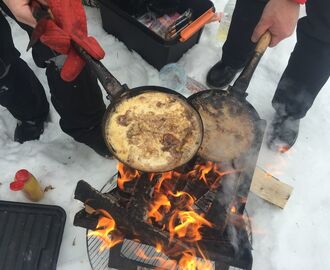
294,238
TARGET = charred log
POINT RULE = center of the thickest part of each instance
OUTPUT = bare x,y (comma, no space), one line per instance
85,220
127,222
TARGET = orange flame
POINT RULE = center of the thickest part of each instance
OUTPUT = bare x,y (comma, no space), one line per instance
160,261
189,261
125,175
160,202
173,210
164,176
189,225
185,199
205,170
282,149
158,247
106,226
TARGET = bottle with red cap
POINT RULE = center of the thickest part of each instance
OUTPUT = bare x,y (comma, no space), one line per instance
26,182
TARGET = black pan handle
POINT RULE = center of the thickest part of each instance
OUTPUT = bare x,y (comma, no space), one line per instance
111,85
242,83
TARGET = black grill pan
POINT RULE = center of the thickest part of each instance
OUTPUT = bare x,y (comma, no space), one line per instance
30,235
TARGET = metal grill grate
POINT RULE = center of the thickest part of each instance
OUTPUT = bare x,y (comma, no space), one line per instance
149,255
99,259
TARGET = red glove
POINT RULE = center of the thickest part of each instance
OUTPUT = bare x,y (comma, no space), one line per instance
301,2
69,24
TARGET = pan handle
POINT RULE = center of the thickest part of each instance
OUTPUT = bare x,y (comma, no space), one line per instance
111,85
242,83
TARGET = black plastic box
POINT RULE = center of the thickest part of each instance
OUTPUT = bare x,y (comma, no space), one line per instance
30,235
154,49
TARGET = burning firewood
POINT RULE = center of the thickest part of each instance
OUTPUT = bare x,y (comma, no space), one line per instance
175,212
126,221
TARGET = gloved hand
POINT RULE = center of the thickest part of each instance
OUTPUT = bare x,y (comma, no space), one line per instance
68,23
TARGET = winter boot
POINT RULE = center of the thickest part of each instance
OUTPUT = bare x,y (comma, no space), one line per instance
28,131
220,75
283,133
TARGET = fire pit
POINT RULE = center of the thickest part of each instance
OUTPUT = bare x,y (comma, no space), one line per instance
123,255
190,218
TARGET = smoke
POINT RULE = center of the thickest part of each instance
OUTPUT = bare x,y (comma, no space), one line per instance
234,192
263,236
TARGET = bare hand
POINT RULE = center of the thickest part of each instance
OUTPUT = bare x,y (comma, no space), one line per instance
22,11
280,18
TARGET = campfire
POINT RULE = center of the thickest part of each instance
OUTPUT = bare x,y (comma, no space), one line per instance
191,218
186,219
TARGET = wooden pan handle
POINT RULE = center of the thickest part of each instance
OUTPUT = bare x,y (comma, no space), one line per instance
263,42
242,83
195,26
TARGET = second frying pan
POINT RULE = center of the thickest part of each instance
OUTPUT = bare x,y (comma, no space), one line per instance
229,120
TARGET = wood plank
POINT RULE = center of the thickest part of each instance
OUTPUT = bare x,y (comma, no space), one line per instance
270,188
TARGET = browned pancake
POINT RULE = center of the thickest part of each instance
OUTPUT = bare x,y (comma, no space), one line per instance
228,128
153,131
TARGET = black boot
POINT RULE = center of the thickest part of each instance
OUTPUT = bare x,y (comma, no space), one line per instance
220,75
283,133
28,131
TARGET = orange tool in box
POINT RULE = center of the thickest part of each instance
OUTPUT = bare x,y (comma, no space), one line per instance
197,24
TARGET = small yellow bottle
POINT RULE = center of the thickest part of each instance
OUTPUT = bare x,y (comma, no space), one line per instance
27,183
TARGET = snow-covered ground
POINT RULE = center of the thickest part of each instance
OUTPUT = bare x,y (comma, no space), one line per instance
297,237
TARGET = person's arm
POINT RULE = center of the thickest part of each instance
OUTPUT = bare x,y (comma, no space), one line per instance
280,18
22,11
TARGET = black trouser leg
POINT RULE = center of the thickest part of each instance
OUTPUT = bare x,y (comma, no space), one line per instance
79,103
8,52
22,93
20,90
238,46
80,106
309,65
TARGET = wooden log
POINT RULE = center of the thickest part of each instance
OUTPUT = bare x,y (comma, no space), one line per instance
133,228
89,210
270,188
140,195
85,220
127,222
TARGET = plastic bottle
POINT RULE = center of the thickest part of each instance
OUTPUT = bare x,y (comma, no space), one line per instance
226,20
174,77
27,183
